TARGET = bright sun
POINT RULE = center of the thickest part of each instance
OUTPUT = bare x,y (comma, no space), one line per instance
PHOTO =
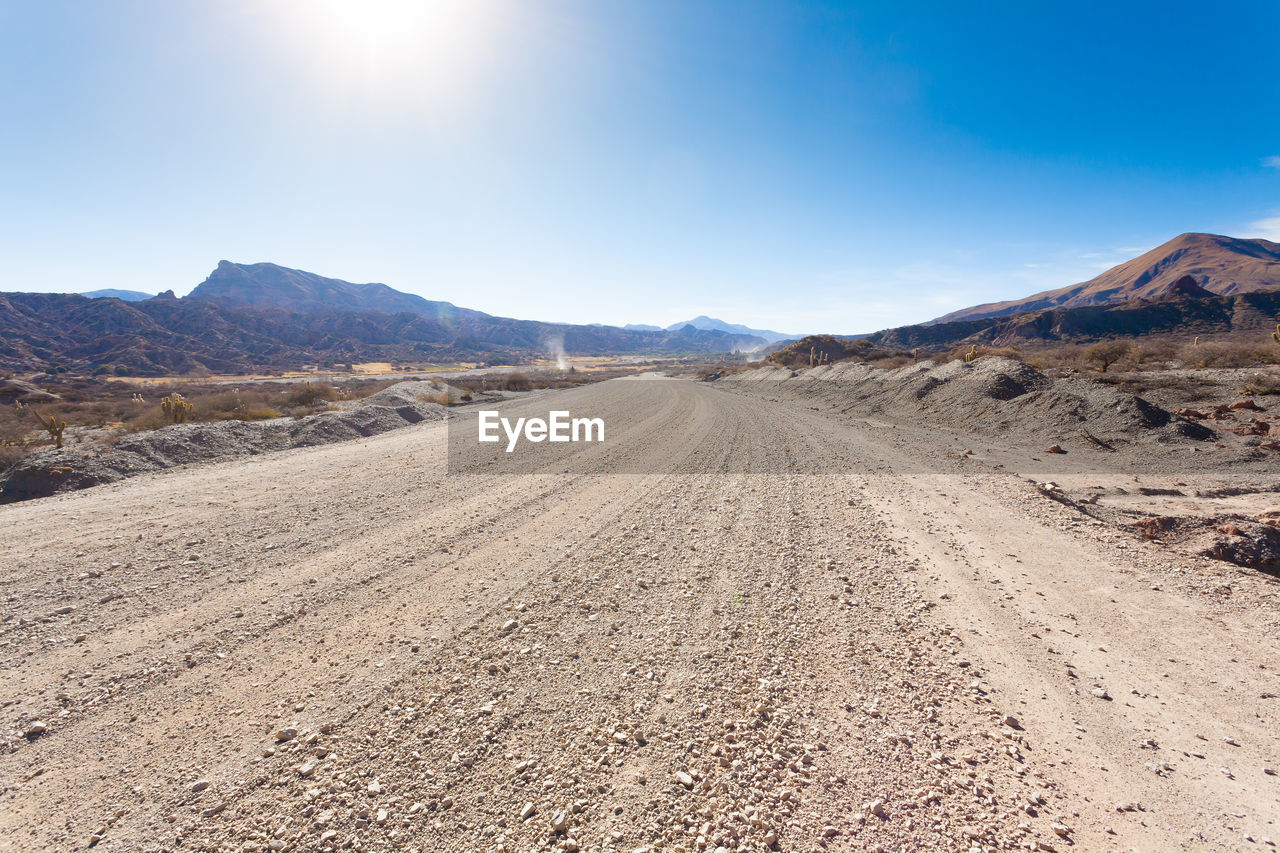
397,49
393,24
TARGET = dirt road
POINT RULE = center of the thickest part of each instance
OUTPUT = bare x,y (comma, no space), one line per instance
782,629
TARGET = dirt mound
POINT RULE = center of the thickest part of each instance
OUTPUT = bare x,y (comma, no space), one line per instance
412,393
51,471
328,427
993,395
24,392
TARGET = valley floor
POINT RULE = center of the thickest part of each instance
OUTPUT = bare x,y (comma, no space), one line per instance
782,628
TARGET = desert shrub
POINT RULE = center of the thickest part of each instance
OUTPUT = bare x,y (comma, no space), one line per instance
1227,354
1106,353
889,362
476,383
102,413
1057,359
10,455
1147,354
15,424
962,352
309,394
237,405
113,404
146,420
517,381
1141,354
1262,384
443,397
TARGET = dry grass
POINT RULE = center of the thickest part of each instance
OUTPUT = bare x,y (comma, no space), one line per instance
443,398
100,409
1129,355
97,410
1229,354
522,380
1261,385
962,352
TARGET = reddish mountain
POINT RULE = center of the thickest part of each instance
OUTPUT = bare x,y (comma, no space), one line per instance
1219,265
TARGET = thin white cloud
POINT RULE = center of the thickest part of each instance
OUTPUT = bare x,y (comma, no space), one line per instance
1272,162
1267,229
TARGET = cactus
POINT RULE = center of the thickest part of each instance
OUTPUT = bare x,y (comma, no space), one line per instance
915,355
176,409
811,351
1275,336
53,426
972,353
1196,341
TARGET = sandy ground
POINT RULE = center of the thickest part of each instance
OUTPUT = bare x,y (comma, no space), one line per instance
786,629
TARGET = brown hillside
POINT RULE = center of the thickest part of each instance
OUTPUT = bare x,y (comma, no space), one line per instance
1221,265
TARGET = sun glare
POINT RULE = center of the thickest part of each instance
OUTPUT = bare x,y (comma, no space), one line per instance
398,49
392,24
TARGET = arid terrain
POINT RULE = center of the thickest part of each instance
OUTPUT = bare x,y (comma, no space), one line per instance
756,617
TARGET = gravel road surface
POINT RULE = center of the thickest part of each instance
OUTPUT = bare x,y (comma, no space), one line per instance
737,624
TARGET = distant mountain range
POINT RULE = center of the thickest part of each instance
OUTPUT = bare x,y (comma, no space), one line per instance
111,293
710,323
1221,265
263,316
255,317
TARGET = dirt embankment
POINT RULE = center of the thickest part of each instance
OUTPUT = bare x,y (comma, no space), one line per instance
994,396
1210,463
51,471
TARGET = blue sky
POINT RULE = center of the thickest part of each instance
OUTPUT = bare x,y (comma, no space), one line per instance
801,166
